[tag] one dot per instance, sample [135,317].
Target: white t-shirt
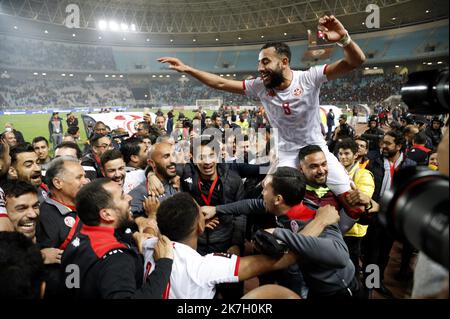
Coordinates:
[195,276]
[294,111]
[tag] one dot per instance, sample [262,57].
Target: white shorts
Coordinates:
[338,180]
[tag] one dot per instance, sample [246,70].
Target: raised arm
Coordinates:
[335,32]
[209,79]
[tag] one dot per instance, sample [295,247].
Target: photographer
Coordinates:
[344,130]
[374,135]
[378,242]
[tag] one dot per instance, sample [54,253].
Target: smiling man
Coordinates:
[65,177]
[22,205]
[114,166]
[25,167]
[161,159]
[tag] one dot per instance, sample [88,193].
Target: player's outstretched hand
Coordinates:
[332,28]
[174,64]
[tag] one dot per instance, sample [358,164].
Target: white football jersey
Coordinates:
[3,212]
[133,179]
[294,111]
[195,276]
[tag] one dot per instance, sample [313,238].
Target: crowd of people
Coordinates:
[193,207]
[47,200]
[69,93]
[356,88]
[24,94]
[50,55]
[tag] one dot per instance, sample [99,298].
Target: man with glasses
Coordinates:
[99,145]
[363,150]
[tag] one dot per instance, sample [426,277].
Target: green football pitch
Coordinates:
[32,125]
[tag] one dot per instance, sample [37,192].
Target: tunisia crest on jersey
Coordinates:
[297,92]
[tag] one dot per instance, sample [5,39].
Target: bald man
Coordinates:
[161,159]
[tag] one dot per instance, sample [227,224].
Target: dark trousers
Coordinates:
[329,132]
[376,246]
[354,250]
[353,291]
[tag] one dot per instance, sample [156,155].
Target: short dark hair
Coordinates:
[420,138]
[399,139]
[72,130]
[73,145]
[91,199]
[214,116]
[280,47]
[22,267]
[98,123]
[177,216]
[348,144]
[18,149]
[110,155]
[145,125]
[308,150]
[210,141]
[130,147]
[39,139]
[289,183]
[18,188]
[95,137]
[55,168]
[364,140]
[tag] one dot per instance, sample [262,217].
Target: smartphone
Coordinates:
[146,110]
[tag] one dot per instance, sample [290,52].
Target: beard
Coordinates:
[163,170]
[276,78]
[389,153]
[124,221]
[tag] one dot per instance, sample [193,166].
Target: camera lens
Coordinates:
[416,209]
[426,92]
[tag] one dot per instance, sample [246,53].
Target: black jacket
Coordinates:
[231,230]
[55,223]
[374,136]
[108,268]
[89,161]
[376,166]
[434,135]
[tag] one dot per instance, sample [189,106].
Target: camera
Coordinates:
[120,136]
[416,209]
[426,92]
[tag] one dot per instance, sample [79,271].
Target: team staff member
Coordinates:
[108,268]
[65,177]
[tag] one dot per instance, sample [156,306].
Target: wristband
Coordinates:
[344,41]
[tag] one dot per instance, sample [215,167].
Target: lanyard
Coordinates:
[211,190]
[70,207]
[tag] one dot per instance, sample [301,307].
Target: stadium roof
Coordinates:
[217,22]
